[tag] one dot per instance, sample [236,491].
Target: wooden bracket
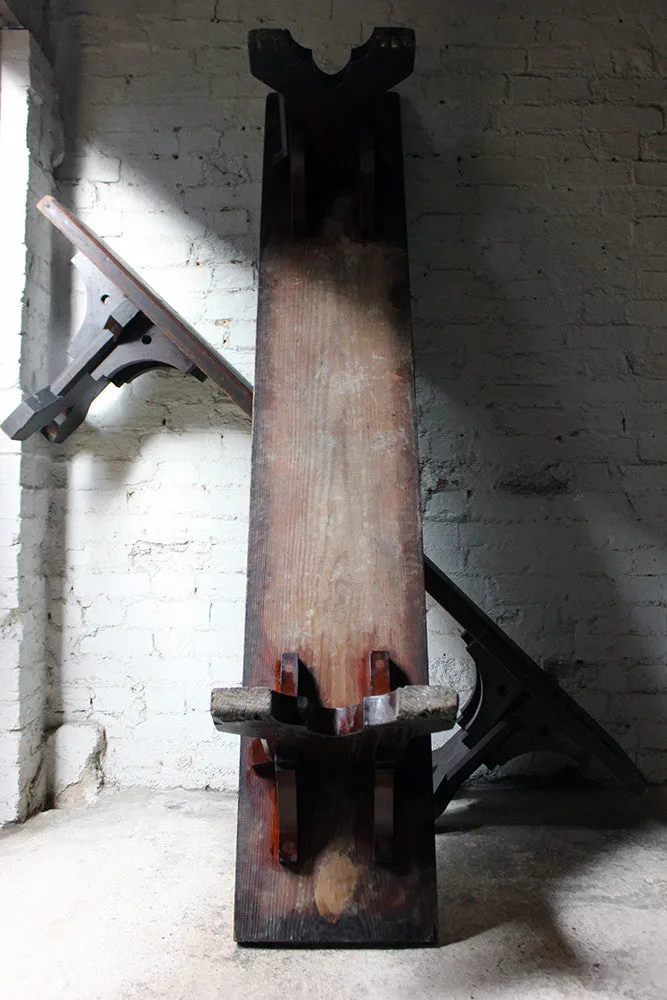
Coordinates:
[282,725]
[332,135]
[262,712]
[515,707]
[127,331]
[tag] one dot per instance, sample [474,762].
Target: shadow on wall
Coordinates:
[157,405]
[201,173]
[532,475]
[535,495]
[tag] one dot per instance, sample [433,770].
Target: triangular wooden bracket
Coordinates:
[515,707]
[127,330]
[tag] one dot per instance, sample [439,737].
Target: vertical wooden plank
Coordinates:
[335,564]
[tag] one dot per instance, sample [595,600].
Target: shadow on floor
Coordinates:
[517,856]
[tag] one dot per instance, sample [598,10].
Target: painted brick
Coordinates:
[530,89]
[30,143]
[617,118]
[538,253]
[654,147]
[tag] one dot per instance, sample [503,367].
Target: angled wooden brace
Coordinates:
[127,330]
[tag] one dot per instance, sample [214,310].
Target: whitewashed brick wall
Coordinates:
[29,142]
[536,172]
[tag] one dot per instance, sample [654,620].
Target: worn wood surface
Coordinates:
[335,570]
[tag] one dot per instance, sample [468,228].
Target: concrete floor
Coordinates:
[543,896]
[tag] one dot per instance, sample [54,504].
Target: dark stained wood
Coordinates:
[515,707]
[335,567]
[174,327]
[384,797]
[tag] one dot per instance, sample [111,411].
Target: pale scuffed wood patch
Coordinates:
[336,878]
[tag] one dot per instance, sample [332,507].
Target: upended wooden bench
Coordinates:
[338,786]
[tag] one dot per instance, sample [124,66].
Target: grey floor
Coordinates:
[543,896]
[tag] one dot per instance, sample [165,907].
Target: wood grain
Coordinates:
[335,570]
[335,474]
